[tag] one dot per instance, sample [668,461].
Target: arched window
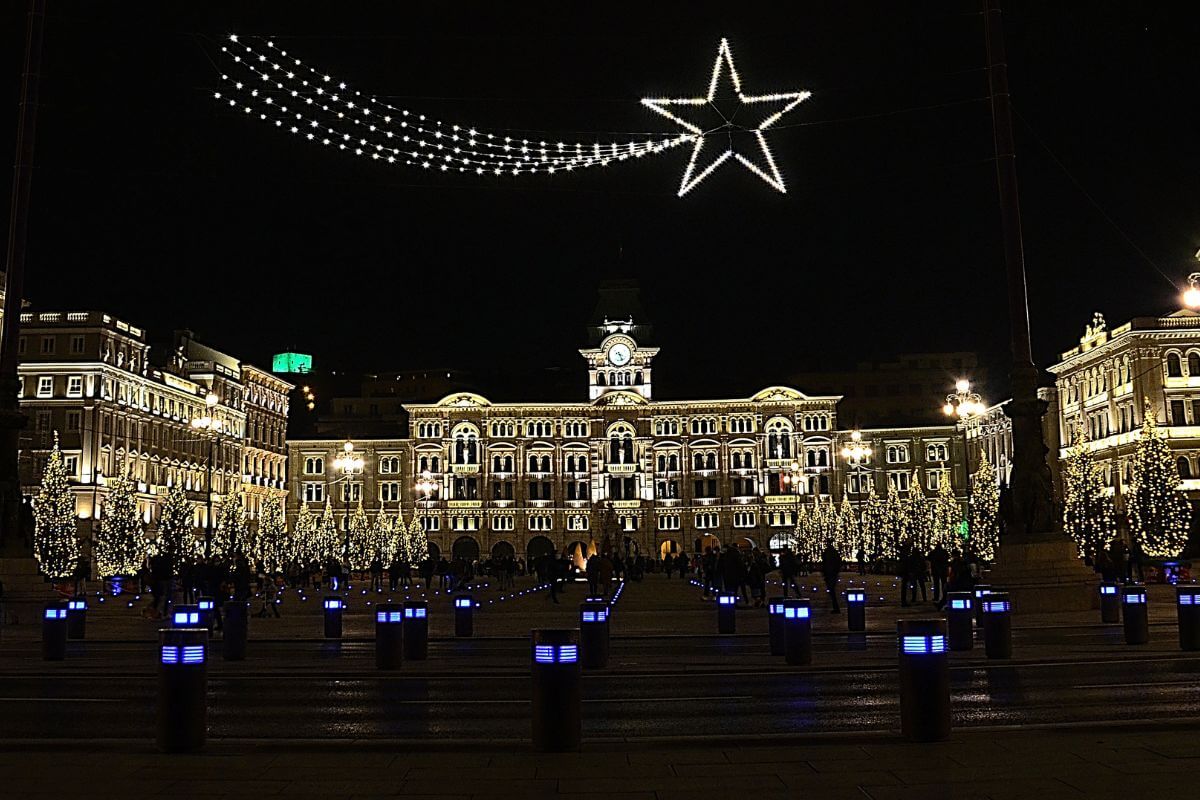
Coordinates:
[711,461]
[1184,466]
[737,461]
[697,461]
[1194,364]
[779,439]
[1174,368]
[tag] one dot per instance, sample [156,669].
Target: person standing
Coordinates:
[788,568]
[831,567]
[939,566]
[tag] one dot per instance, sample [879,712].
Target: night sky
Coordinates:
[158,204]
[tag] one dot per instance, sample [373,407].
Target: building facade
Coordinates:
[1105,383]
[90,378]
[658,475]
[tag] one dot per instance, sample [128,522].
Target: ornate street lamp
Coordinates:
[965,405]
[348,463]
[213,429]
[857,454]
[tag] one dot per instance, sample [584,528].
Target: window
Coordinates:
[577,463]
[75,386]
[704,426]
[933,479]
[779,439]
[705,489]
[540,490]
[464,523]
[429,524]
[76,345]
[466,446]
[745,519]
[666,490]
[1177,416]
[741,424]
[45,386]
[861,483]
[1193,364]
[541,522]
[1174,367]
[314,465]
[539,428]
[429,430]
[71,463]
[428,464]
[505,523]
[899,481]
[389,465]
[1184,466]
[666,427]
[668,522]
[628,524]
[47,345]
[389,492]
[706,520]
[897,453]
[74,419]
[743,487]
[351,492]
[577,490]
[575,428]
[935,452]
[577,522]
[314,492]
[504,430]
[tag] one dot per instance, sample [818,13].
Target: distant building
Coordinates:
[909,389]
[91,378]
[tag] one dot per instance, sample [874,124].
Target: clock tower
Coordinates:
[618,363]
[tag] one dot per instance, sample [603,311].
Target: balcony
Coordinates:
[780,499]
[622,469]
[626,503]
[780,463]
[465,469]
[464,504]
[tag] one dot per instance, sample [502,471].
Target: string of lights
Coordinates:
[292,94]
[287,93]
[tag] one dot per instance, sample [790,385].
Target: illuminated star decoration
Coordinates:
[787,101]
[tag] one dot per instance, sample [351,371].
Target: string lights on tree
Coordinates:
[176,533]
[1159,514]
[120,543]
[267,83]
[984,531]
[1087,507]
[270,537]
[56,542]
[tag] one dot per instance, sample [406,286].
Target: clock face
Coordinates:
[618,354]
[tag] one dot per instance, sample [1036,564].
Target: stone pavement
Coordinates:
[1117,763]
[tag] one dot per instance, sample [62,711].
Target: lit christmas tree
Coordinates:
[416,545]
[120,544]
[397,529]
[302,547]
[918,528]
[328,542]
[985,511]
[1159,514]
[270,537]
[176,534]
[875,528]
[229,538]
[802,533]
[849,532]
[1087,507]
[894,531]
[360,540]
[946,515]
[55,539]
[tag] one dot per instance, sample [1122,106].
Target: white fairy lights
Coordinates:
[288,94]
[786,100]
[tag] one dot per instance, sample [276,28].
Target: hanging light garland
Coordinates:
[280,89]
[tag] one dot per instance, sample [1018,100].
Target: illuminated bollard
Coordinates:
[1187,603]
[797,632]
[54,631]
[775,630]
[235,630]
[1134,612]
[997,625]
[726,613]
[416,630]
[185,617]
[207,611]
[1110,603]
[593,633]
[464,615]
[77,617]
[182,713]
[333,607]
[960,620]
[980,590]
[924,680]
[557,700]
[389,636]
[856,609]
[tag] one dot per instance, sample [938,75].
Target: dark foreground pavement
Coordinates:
[998,764]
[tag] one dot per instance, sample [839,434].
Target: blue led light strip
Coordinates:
[924,644]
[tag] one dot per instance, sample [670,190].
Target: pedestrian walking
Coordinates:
[789,566]
[939,568]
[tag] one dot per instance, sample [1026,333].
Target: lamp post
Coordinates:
[857,454]
[794,478]
[1191,297]
[349,464]
[212,429]
[964,404]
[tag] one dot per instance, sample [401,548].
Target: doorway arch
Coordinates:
[537,547]
[465,548]
[503,550]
